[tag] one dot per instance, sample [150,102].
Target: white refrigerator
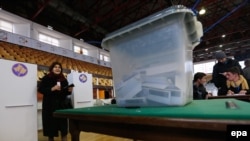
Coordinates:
[18,101]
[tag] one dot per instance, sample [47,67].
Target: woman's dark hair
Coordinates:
[234,70]
[198,75]
[53,65]
[51,73]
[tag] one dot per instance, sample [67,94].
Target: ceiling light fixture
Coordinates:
[223,36]
[202,11]
[220,45]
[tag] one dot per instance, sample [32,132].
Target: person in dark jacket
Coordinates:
[219,71]
[246,70]
[54,97]
[199,91]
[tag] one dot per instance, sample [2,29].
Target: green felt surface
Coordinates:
[204,109]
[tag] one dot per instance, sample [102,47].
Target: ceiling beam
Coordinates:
[40,9]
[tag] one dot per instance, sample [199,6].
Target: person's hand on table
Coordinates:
[243,92]
[229,92]
[208,95]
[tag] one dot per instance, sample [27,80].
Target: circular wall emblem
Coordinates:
[19,69]
[83,78]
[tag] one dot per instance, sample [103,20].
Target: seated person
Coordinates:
[199,91]
[236,83]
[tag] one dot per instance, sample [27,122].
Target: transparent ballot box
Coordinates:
[151,59]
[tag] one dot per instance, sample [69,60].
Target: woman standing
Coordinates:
[54,97]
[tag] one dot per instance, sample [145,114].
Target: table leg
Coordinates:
[74,130]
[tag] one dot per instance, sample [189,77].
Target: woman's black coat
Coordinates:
[53,100]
